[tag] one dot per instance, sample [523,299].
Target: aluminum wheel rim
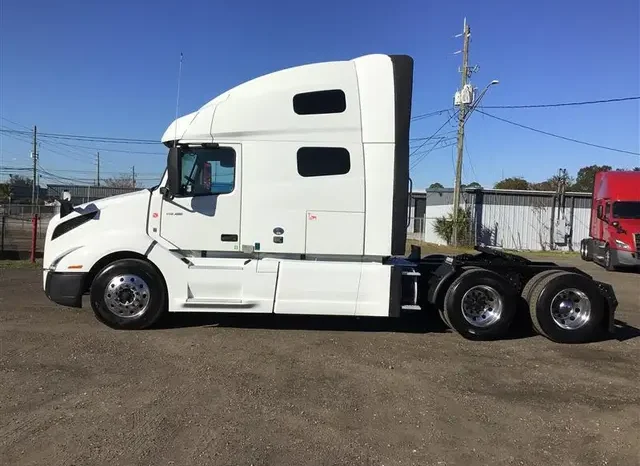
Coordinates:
[571,309]
[482,306]
[127,296]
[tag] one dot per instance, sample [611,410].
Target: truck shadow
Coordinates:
[623,332]
[423,323]
[404,324]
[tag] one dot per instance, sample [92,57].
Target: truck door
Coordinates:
[605,234]
[207,216]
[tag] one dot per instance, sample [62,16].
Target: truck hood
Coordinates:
[132,200]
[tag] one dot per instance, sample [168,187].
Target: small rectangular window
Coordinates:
[320,102]
[323,161]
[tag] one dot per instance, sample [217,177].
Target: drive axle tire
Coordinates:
[480,305]
[128,294]
[585,250]
[567,307]
[531,284]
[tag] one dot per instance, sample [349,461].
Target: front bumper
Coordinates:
[623,258]
[65,288]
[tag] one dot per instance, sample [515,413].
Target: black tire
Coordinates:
[540,306]
[526,291]
[443,315]
[453,309]
[150,298]
[607,259]
[583,250]
[588,250]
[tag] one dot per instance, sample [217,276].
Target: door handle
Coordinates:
[229,238]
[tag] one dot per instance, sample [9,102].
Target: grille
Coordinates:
[637,237]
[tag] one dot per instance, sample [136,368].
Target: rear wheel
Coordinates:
[585,250]
[567,307]
[480,305]
[128,294]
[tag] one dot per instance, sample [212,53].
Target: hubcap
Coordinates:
[571,309]
[127,296]
[482,306]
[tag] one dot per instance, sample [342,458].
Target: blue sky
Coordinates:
[110,69]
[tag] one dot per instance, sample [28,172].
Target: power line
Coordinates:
[433,135]
[424,154]
[566,104]
[77,137]
[430,114]
[558,136]
[466,149]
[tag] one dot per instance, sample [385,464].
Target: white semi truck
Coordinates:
[288,194]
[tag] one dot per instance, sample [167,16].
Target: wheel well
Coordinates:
[108,259]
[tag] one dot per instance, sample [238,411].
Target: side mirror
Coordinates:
[173,171]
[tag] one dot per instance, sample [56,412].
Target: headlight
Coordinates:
[622,244]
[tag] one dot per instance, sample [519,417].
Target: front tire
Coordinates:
[608,265]
[128,294]
[480,305]
[567,307]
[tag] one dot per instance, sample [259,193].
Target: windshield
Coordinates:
[626,209]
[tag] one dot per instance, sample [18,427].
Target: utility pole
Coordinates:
[464,97]
[133,176]
[98,173]
[34,156]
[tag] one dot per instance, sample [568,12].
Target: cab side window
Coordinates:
[208,171]
[607,211]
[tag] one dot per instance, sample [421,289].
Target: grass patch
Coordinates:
[20,264]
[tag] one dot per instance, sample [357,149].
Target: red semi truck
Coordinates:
[614,229]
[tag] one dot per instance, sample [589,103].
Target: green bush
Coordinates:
[444,228]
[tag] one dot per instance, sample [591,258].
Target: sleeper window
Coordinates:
[323,161]
[320,102]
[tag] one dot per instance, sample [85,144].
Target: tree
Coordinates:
[512,183]
[18,180]
[122,181]
[586,177]
[436,186]
[551,184]
[5,191]
[443,227]
[472,185]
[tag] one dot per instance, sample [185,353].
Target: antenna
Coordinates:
[175,138]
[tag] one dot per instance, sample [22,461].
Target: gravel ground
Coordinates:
[240,390]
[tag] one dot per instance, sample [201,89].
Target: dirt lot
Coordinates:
[292,391]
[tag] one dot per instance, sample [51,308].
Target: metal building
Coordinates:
[81,194]
[510,219]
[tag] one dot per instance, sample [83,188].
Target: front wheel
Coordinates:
[480,305]
[128,294]
[608,264]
